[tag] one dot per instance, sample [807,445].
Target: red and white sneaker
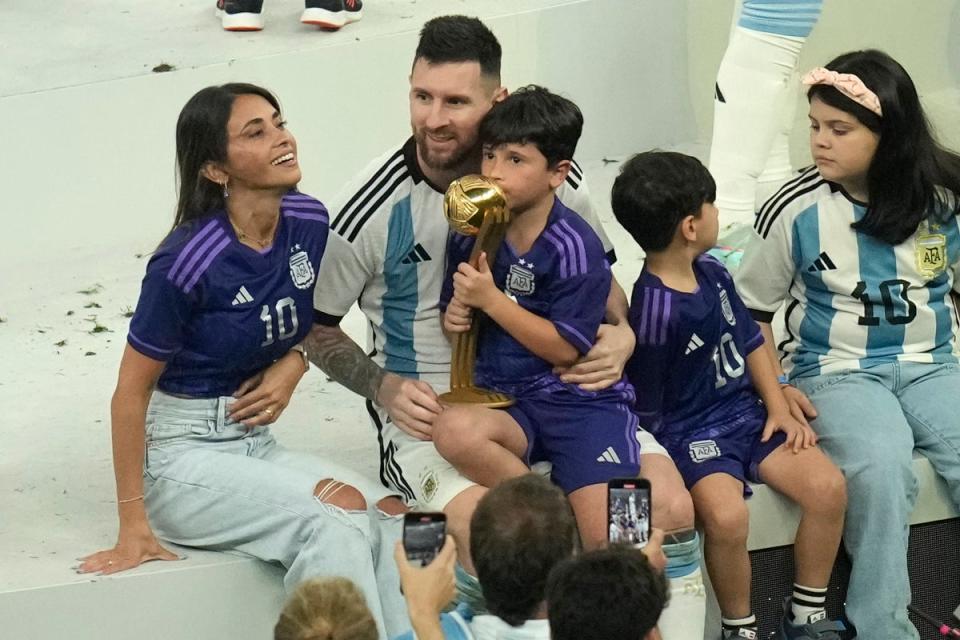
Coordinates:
[240,15]
[354,10]
[331,14]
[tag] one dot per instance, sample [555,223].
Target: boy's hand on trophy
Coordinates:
[474,287]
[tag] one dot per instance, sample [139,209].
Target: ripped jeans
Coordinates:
[211,483]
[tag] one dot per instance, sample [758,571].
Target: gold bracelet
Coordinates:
[139,497]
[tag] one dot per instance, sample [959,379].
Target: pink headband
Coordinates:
[847,84]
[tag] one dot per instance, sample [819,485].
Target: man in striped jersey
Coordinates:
[387,252]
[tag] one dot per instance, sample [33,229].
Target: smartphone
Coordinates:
[628,511]
[423,536]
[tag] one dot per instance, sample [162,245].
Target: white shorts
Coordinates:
[414,468]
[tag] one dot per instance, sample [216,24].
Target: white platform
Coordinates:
[86,170]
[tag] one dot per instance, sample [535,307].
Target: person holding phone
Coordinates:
[522,529]
[709,393]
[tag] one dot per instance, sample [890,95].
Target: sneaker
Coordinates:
[332,14]
[817,628]
[745,633]
[354,9]
[240,15]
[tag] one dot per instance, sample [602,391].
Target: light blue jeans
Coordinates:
[869,423]
[211,483]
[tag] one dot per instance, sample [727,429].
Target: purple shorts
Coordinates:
[589,438]
[732,447]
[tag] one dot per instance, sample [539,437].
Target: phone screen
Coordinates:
[423,536]
[628,509]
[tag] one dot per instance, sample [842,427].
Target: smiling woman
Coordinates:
[212,358]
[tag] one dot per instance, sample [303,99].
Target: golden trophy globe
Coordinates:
[474,206]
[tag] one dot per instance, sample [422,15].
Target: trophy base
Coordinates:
[476,395]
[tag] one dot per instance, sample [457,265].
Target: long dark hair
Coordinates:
[909,169]
[202,138]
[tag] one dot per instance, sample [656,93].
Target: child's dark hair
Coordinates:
[655,191]
[534,115]
[520,531]
[611,594]
[459,39]
[908,167]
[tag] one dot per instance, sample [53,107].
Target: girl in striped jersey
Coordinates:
[211,361]
[864,249]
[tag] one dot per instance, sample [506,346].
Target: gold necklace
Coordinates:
[243,235]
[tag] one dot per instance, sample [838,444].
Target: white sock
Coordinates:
[755,87]
[807,603]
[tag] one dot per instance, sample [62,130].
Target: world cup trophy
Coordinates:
[474,206]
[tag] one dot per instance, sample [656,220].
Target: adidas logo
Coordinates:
[243,296]
[417,254]
[694,344]
[717,94]
[822,263]
[609,456]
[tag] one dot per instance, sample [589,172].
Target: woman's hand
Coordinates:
[133,548]
[262,398]
[800,406]
[799,434]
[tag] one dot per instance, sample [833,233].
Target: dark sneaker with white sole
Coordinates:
[331,14]
[816,628]
[240,15]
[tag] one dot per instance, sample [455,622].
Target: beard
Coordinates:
[448,160]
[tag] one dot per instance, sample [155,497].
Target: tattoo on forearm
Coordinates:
[345,362]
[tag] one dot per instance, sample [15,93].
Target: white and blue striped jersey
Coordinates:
[387,251]
[853,301]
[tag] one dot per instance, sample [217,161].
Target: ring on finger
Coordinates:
[268,411]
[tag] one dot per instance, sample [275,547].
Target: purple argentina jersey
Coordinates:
[564,277]
[217,311]
[689,367]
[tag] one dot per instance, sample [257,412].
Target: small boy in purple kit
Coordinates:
[711,397]
[545,298]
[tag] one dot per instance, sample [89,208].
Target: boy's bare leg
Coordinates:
[590,509]
[811,480]
[672,507]
[459,511]
[485,445]
[721,509]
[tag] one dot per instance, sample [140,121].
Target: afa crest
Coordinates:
[931,254]
[520,281]
[727,308]
[301,271]
[701,450]
[429,483]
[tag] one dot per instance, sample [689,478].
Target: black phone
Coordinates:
[628,511]
[423,536]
